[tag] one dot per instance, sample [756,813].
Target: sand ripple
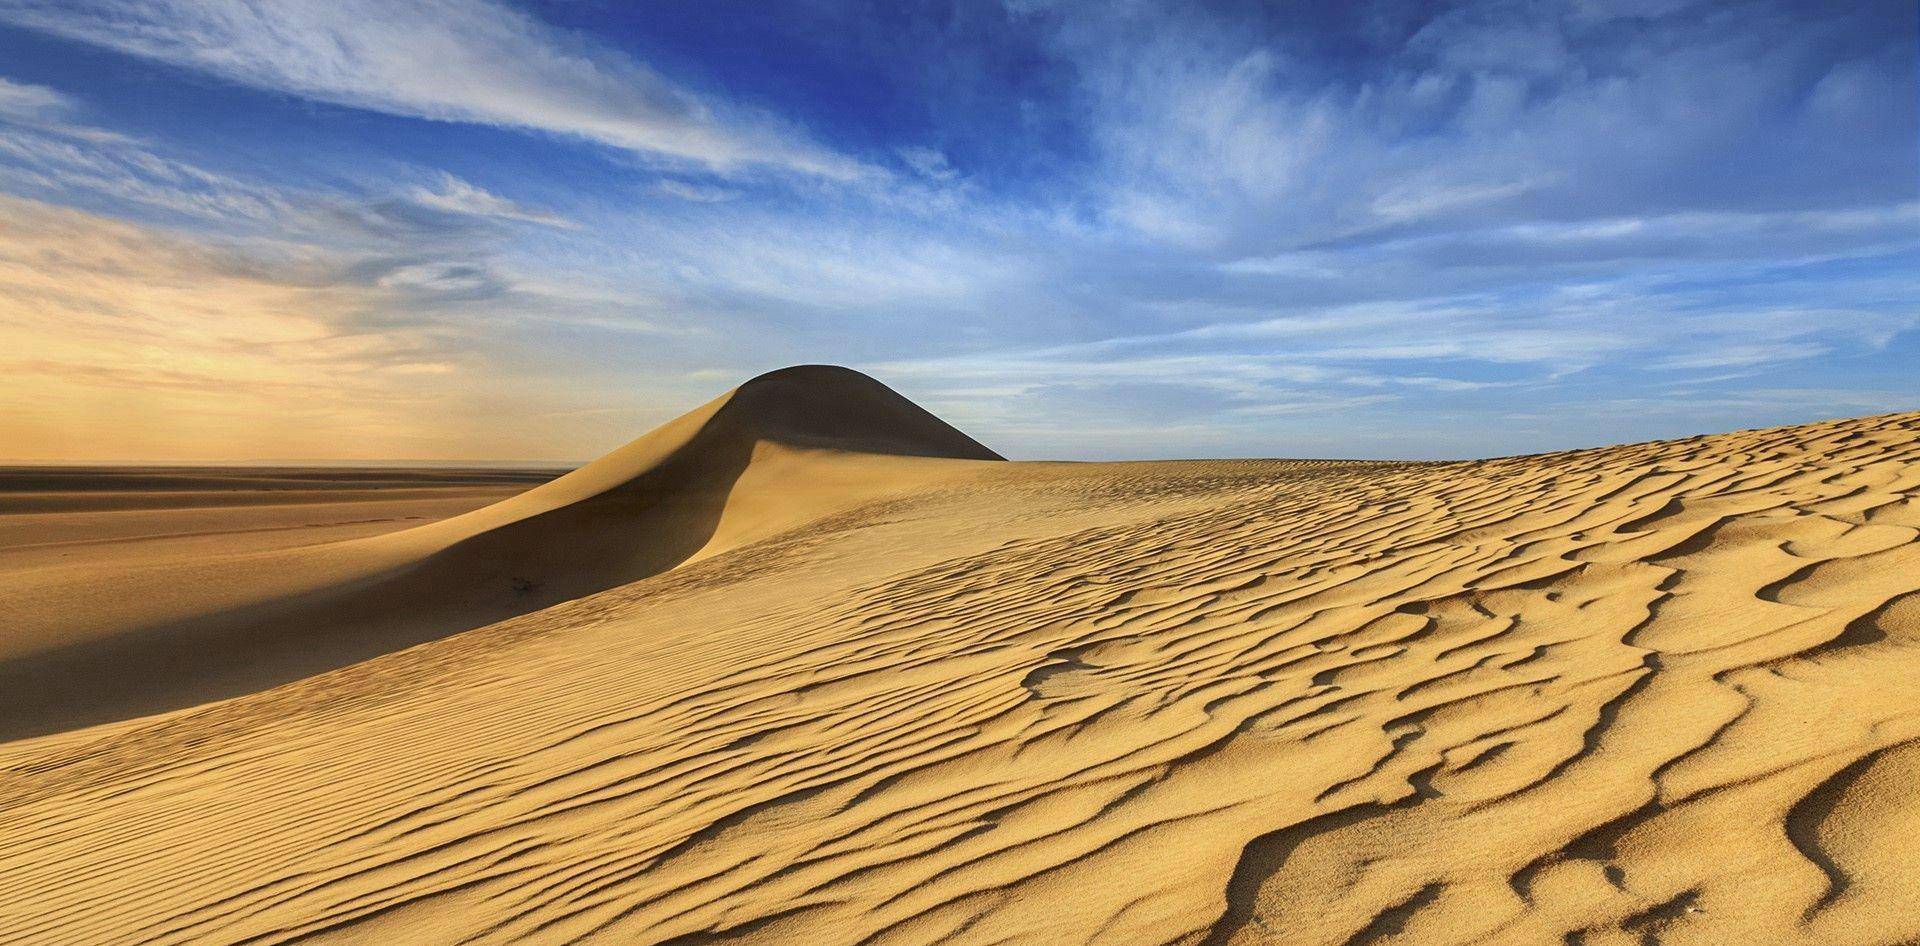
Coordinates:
[1656,693]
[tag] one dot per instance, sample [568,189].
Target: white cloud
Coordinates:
[1671,238]
[38,108]
[929,163]
[66,158]
[1742,356]
[831,265]
[696,193]
[442,279]
[1281,238]
[449,60]
[20,101]
[1206,134]
[1414,201]
[453,195]
[1409,344]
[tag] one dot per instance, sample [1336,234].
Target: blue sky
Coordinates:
[454,229]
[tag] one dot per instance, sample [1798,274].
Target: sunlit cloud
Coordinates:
[127,342]
[1122,230]
[140,343]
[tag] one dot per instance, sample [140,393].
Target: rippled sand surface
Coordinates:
[1652,693]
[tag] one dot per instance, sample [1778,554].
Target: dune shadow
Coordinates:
[641,529]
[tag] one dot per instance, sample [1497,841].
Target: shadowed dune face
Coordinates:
[1653,693]
[781,449]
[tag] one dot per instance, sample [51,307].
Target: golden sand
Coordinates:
[808,666]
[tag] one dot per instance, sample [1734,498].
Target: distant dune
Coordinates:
[808,665]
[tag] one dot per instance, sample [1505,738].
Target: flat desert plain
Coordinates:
[810,666]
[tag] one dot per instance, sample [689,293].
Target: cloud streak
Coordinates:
[1193,229]
[455,196]
[446,60]
[110,322]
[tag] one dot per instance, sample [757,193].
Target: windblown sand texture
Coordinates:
[809,666]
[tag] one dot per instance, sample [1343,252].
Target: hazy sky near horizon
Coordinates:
[450,229]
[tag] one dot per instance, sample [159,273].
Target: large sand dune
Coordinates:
[804,666]
[782,449]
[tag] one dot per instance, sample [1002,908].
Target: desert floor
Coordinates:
[809,666]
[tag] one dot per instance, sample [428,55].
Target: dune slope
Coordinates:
[1653,693]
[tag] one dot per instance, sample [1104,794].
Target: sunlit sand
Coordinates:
[808,665]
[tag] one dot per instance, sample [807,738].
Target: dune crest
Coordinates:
[1648,693]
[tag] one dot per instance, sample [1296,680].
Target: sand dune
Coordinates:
[76,543]
[780,450]
[801,668]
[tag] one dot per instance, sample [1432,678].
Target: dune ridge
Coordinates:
[1650,693]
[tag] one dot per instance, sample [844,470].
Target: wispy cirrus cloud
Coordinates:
[452,195]
[696,193]
[472,61]
[1227,128]
[213,315]
[1124,229]
[109,321]
[26,102]
[1381,364]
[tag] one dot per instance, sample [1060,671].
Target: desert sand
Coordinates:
[808,665]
